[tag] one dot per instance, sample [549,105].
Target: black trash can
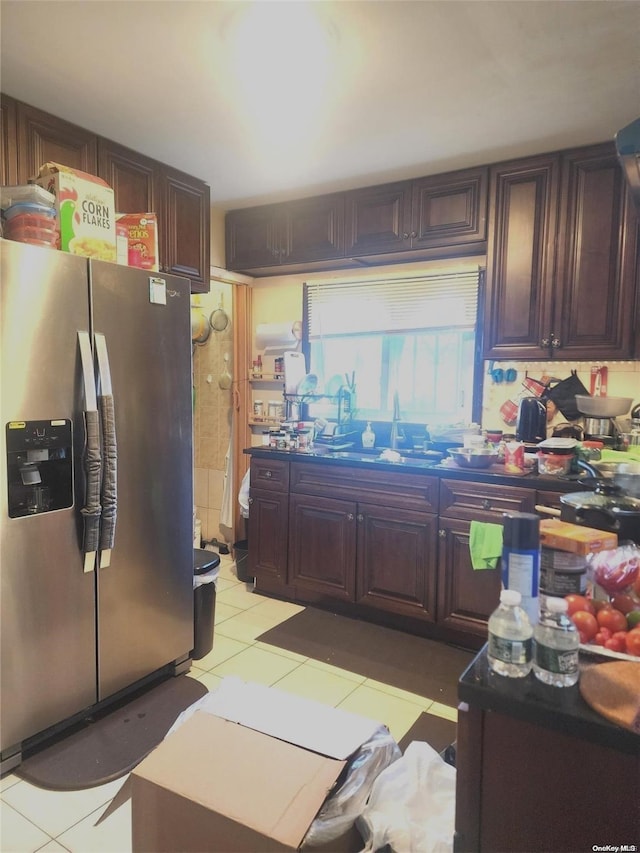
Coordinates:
[241,556]
[204,602]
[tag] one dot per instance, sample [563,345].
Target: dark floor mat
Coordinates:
[435,731]
[426,667]
[113,742]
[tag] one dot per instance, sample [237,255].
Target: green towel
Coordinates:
[485,544]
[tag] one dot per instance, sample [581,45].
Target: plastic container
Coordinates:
[31,220]
[26,193]
[34,236]
[31,209]
[555,646]
[510,647]
[555,463]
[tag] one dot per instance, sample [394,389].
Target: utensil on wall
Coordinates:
[219,319]
[200,329]
[226,380]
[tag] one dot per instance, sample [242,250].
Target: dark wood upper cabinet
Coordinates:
[184,226]
[42,137]
[450,209]
[562,258]
[596,258]
[289,233]
[8,151]
[131,175]
[378,219]
[520,257]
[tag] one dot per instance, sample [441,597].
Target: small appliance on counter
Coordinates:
[531,425]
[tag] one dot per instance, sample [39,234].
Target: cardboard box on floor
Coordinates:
[217,783]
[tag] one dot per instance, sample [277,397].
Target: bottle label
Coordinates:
[556,660]
[510,651]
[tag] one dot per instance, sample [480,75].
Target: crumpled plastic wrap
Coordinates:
[412,805]
[347,800]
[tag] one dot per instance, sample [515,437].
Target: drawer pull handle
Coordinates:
[486,504]
[350,516]
[442,533]
[360,517]
[250,500]
[268,474]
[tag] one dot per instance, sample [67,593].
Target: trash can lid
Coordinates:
[204,561]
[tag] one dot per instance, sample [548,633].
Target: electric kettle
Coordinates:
[531,425]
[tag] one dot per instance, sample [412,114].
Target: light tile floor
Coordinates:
[32,818]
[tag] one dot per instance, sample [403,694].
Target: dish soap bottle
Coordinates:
[368,436]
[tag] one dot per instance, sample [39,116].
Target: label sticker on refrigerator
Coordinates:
[157,290]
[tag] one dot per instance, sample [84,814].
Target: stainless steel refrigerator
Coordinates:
[96,469]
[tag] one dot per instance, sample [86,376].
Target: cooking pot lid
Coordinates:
[597,500]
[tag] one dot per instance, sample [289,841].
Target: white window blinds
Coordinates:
[436,301]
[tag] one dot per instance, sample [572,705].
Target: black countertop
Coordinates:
[320,454]
[560,708]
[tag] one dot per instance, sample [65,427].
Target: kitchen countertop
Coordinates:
[560,708]
[415,464]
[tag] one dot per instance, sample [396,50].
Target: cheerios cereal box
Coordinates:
[86,211]
[142,230]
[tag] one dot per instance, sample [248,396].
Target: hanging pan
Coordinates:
[219,319]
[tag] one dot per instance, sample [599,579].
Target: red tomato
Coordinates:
[624,603]
[602,636]
[612,619]
[576,603]
[632,642]
[586,623]
[615,644]
[601,604]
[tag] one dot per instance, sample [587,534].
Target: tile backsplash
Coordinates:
[623,381]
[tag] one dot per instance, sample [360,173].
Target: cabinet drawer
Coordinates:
[469,500]
[380,487]
[272,474]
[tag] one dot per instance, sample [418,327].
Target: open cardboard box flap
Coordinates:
[245,768]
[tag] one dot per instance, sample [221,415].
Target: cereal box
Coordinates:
[143,239]
[86,211]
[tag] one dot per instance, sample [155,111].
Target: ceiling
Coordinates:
[268,101]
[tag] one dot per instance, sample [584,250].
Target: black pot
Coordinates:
[605,509]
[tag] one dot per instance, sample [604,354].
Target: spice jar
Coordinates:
[258,408]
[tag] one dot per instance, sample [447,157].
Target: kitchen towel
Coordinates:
[485,544]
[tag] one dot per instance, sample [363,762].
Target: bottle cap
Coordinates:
[521,531]
[510,597]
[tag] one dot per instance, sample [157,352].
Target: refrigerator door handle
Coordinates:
[92,462]
[109,492]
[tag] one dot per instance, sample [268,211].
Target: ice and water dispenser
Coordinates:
[39,466]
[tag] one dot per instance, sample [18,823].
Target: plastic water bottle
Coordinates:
[555,646]
[510,637]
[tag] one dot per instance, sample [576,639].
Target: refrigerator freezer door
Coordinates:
[145,594]
[47,601]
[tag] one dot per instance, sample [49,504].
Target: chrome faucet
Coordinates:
[397,433]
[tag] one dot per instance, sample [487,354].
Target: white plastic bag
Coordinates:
[243,494]
[412,804]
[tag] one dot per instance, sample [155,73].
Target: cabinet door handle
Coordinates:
[360,517]
[268,474]
[350,516]
[442,533]
[405,235]
[250,500]
[555,342]
[414,234]
[545,342]
[486,504]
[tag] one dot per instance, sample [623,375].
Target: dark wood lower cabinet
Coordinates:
[322,546]
[397,561]
[268,536]
[466,596]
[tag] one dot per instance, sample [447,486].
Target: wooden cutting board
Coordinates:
[613,690]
